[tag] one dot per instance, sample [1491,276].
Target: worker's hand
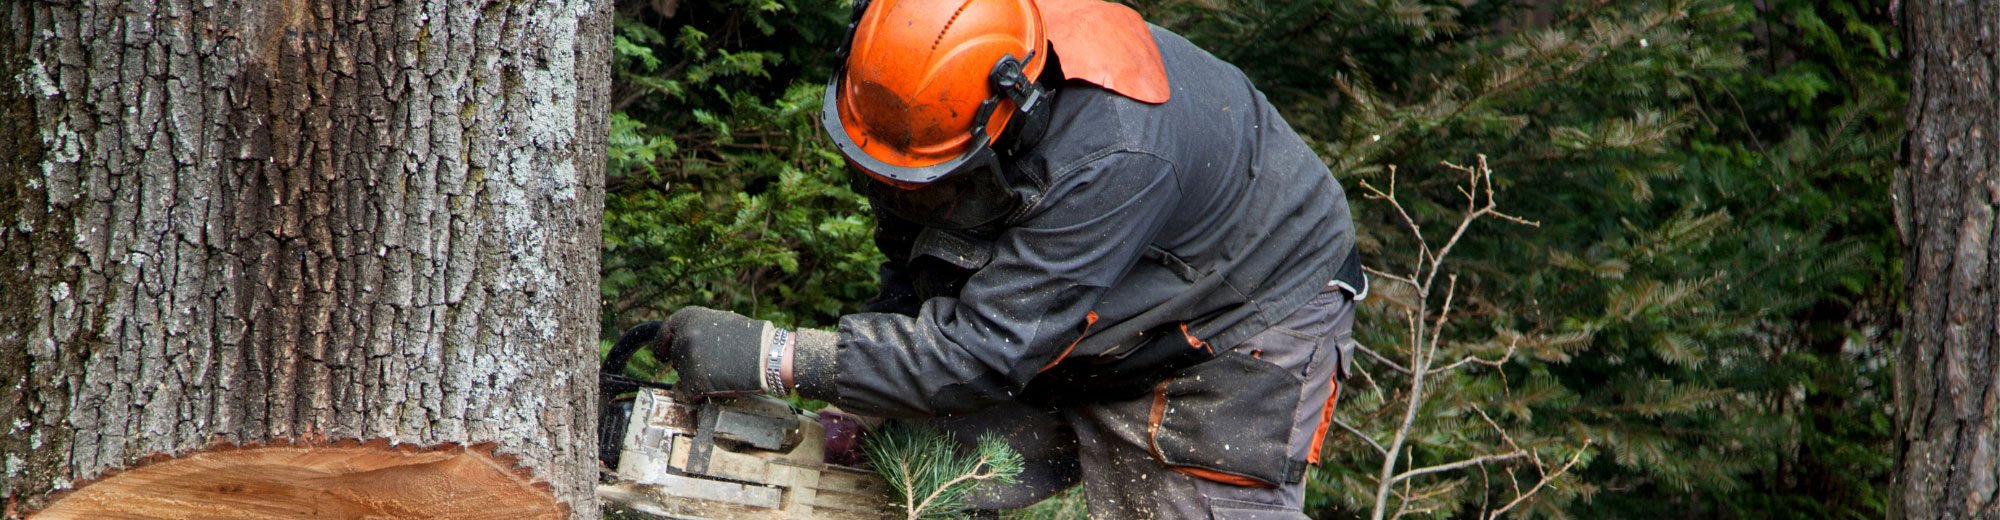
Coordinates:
[727,353]
[718,352]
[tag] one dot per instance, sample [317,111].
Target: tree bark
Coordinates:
[238,222]
[1948,370]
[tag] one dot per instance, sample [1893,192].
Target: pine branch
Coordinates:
[928,475]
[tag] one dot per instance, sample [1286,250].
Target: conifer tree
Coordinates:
[1703,304]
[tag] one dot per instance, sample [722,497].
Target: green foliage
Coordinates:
[720,191]
[1705,299]
[928,476]
[1713,273]
[1067,505]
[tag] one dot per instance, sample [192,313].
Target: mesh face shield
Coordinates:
[964,192]
[967,199]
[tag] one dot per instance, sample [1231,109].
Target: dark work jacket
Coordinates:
[1150,237]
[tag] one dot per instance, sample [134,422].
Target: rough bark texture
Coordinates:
[1947,380]
[246,220]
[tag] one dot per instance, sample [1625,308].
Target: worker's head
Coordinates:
[927,87]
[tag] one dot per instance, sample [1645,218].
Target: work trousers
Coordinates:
[1182,451]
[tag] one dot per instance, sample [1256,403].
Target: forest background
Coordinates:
[1700,316]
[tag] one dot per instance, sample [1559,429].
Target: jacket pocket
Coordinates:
[958,249]
[942,261]
[1226,420]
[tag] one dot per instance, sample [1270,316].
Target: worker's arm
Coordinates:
[1014,315]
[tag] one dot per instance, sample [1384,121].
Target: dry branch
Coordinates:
[1424,338]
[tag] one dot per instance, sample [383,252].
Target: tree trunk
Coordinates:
[239,223]
[1946,378]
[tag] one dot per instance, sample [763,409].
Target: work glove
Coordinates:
[724,353]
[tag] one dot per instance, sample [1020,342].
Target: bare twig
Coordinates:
[1405,504]
[1475,461]
[1425,336]
[1423,249]
[1450,291]
[1546,479]
[1386,481]
[1514,479]
[1363,436]
[1497,429]
[1474,360]
[1372,272]
[1383,360]
[1374,388]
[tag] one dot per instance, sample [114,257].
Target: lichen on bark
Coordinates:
[241,220]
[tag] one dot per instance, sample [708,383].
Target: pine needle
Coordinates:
[929,477]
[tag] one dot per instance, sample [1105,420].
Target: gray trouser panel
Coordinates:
[1114,448]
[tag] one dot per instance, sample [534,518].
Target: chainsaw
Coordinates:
[668,455]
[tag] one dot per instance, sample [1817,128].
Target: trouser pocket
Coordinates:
[1227,420]
[1226,509]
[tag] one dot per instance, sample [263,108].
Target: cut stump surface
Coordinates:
[353,481]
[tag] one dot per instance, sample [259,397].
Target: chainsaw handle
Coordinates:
[629,342]
[613,415]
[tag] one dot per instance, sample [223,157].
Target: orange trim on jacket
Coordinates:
[1194,342]
[1088,320]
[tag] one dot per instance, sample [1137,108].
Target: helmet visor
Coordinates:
[979,151]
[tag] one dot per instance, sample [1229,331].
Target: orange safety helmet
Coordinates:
[926,87]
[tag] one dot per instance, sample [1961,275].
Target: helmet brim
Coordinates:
[978,154]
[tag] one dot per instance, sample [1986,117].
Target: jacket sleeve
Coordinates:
[1015,314]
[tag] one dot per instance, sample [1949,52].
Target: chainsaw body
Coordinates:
[743,457]
[668,455]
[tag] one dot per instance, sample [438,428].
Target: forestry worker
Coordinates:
[1104,245]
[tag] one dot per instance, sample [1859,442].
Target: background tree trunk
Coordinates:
[252,221]
[1946,378]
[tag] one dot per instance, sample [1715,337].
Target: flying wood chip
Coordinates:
[340,480]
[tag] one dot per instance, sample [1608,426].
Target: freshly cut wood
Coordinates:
[345,480]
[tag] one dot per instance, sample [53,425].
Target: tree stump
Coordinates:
[340,480]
